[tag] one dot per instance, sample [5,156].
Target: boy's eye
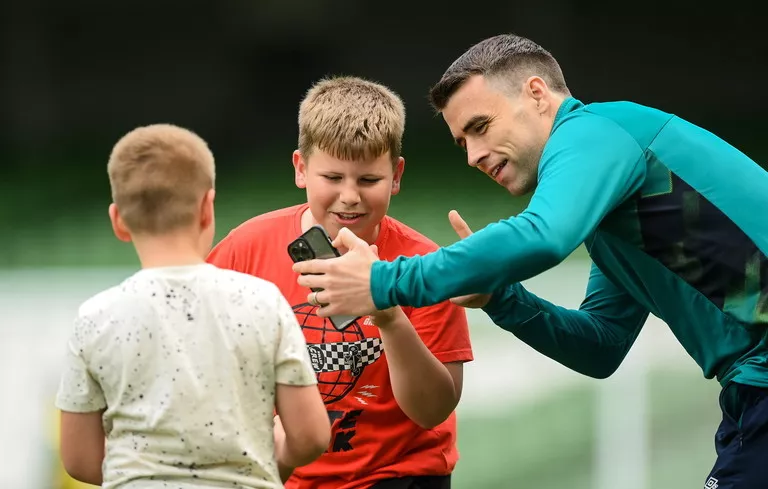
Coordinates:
[332,178]
[370,180]
[481,128]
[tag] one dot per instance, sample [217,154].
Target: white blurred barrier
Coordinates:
[37,307]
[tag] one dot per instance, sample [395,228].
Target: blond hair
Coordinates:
[351,119]
[158,175]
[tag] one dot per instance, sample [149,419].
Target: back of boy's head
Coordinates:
[159,175]
[352,119]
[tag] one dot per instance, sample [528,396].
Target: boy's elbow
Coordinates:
[319,442]
[313,443]
[432,419]
[80,471]
[429,424]
[76,473]
[311,450]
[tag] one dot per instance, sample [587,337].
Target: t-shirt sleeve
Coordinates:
[443,329]
[78,391]
[292,363]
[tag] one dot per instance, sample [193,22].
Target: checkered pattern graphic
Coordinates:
[349,355]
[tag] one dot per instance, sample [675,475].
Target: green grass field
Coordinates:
[550,444]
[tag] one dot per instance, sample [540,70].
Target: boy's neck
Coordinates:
[173,250]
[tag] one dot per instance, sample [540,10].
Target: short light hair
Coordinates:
[352,119]
[158,175]
[506,57]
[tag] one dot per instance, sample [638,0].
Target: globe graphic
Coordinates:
[337,383]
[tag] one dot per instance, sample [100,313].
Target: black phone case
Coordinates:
[316,243]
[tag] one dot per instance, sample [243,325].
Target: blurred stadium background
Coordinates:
[75,76]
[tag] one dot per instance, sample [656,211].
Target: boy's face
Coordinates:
[351,194]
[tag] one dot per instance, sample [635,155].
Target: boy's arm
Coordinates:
[588,167]
[592,340]
[82,445]
[303,429]
[81,401]
[425,356]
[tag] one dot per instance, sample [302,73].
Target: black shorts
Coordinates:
[420,482]
[741,441]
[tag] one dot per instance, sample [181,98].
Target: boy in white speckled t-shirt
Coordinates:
[181,366]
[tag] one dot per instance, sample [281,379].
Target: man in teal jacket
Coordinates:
[674,218]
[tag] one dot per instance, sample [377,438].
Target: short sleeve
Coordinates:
[292,363]
[78,391]
[443,329]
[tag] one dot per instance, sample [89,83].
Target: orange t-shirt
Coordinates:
[372,438]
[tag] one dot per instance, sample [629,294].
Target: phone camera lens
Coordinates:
[301,251]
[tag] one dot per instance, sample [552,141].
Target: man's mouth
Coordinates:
[495,171]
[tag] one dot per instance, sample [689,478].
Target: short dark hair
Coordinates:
[506,55]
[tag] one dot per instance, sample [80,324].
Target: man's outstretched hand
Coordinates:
[474,301]
[345,280]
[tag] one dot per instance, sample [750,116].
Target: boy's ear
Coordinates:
[206,210]
[300,169]
[399,169]
[118,226]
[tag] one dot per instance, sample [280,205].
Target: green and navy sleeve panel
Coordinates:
[715,171]
[592,340]
[589,166]
[709,225]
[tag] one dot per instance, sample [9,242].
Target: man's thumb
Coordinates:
[347,239]
[459,225]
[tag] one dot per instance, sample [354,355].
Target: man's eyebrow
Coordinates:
[474,121]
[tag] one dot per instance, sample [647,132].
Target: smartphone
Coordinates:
[315,243]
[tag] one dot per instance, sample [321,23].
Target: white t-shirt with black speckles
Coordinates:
[185,362]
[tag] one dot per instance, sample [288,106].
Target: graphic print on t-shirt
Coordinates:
[338,357]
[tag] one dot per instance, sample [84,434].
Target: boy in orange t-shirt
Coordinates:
[390,381]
